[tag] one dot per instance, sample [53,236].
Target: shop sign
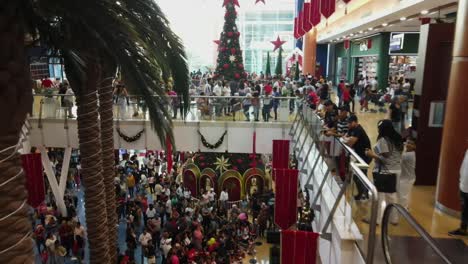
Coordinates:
[396,41]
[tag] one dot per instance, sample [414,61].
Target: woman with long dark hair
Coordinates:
[387,169]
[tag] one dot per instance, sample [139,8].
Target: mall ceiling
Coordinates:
[405,20]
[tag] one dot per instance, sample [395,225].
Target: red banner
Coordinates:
[32,166]
[301,31]
[296,28]
[307,22]
[327,8]
[299,247]
[346,44]
[315,12]
[286,184]
[169,155]
[280,154]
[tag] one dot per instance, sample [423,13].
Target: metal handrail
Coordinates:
[361,163]
[178,96]
[373,213]
[355,171]
[414,224]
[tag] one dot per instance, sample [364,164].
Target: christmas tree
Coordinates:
[279,63]
[230,63]
[268,65]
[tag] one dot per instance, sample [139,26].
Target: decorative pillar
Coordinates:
[384,61]
[310,52]
[455,136]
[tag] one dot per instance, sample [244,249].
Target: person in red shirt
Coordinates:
[47,83]
[268,89]
[341,88]
[346,96]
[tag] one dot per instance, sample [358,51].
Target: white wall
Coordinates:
[238,139]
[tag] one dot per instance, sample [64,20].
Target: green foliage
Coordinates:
[132,34]
[279,63]
[229,48]
[268,65]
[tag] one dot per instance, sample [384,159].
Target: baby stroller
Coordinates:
[379,99]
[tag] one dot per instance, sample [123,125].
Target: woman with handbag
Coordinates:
[387,169]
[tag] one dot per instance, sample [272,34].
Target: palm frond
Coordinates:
[133,34]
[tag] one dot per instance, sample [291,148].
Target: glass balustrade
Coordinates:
[201,108]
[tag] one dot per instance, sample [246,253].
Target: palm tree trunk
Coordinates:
[15,102]
[108,161]
[91,165]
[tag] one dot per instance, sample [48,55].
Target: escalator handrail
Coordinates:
[419,229]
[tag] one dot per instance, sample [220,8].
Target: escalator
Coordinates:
[409,242]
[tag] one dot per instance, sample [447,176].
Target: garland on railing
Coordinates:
[128,138]
[210,146]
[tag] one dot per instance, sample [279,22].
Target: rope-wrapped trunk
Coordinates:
[16,245]
[91,165]
[108,161]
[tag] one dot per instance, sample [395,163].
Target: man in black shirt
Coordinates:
[357,139]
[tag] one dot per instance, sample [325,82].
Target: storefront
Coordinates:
[366,57]
[374,56]
[403,51]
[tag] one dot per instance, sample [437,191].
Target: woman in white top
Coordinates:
[387,157]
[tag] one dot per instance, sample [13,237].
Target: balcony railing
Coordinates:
[318,153]
[202,108]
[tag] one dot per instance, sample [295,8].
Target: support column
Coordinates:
[455,136]
[310,52]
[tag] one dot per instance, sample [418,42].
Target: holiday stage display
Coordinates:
[130,139]
[230,63]
[231,171]
[222,164]
[212,146]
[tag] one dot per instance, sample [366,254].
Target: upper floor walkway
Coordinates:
[212,124]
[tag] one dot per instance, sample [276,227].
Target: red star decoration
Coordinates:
[217,41]
[234,2]
[278,43]
[258,1]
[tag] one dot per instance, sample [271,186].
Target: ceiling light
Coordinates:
[351,34]
[384,24]
[360,32]
[424,12]
[402,18]
[370,29]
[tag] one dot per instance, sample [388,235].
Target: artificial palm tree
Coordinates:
[90,35]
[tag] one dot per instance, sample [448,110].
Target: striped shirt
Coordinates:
[342,127]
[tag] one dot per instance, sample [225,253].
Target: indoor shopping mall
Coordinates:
[233,132]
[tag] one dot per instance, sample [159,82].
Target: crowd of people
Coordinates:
[168,222]
[393,154]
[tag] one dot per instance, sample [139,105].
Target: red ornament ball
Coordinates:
[238,33]
[237,76]
[226,66]
[240,66]
[233,51]
[239,161]
[230,34]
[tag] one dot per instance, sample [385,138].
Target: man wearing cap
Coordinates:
[357,139]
